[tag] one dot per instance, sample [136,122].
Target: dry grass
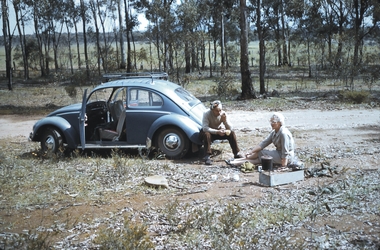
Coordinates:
[91,200]
[98,200]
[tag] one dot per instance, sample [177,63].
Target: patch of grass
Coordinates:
[356,97]
[130,236]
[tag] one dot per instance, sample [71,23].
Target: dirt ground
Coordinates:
[335,129]
[355,129]
[349,127]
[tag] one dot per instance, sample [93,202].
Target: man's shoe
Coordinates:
[207,157]
[238,155]
[208,162]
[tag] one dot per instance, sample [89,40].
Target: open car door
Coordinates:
[82,120]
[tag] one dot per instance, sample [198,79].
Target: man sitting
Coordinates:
[216,126]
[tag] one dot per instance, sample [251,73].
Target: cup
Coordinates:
[227,132]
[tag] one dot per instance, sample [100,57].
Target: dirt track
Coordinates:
[17,125]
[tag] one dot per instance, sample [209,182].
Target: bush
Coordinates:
[225,85]
[131,236]
[354,96]
[71,91]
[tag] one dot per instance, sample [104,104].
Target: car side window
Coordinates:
[144,98]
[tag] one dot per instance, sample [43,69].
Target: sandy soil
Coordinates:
[355,132]
[345,125]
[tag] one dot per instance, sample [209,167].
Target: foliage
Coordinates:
[130,236]
[225,85]
[355,96]
[71,91]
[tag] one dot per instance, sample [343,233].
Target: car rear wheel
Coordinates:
[173,142]
[51,141]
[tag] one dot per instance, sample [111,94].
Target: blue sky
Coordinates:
[29,29]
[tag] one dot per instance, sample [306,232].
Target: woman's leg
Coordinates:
[240,161]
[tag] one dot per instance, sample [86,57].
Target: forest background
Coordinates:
[76,41]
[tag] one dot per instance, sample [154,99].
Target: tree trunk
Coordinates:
[209,56]
[121,32]
[69,44]
[7,42]
[78,45]
[93,9]
[83,14]
[222,47]
[129,60]
[246,81]
[187,58]
[260,33]
[21,33]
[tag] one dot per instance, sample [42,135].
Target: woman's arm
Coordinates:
[284,162]
[253,154]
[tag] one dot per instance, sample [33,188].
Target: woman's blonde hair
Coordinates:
[278,117]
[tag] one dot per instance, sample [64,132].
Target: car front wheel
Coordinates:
[51,141]
[173,143]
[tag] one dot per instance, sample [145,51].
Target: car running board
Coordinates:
[113,145]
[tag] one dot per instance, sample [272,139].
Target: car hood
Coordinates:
[74,108]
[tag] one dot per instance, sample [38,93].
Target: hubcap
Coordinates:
[49,143]
[172,141]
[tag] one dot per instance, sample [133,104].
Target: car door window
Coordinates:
[144,98]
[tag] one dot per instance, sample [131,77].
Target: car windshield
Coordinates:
[100,95]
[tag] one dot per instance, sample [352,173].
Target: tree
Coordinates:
[246,80]
[7,41]
[121,36]
[261,28]
[22,16]
[83,14]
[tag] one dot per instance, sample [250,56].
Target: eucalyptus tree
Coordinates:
[48,27]
[42,15]
[277,20]
[246,80]
[22,15]
[83,10]
[94,7]
[161,16]
[222,16]
[130,23]
[7,36]
[71,18]
[189,18]
[121,36]
[364,16]
[56,18]
[259,17]
[308,29]
[329,28]
[340,11]
[294,10]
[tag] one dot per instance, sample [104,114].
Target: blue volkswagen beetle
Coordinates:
[142,111]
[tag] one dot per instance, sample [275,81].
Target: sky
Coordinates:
[29,29]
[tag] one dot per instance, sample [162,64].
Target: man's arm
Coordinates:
[226,121]
[206,124]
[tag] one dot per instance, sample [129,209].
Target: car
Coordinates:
[136,111]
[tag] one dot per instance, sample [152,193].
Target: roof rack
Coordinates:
[152,75]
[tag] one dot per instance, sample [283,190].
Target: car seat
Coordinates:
[110,134]
[116,109]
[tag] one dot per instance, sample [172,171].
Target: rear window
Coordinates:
[185,95]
